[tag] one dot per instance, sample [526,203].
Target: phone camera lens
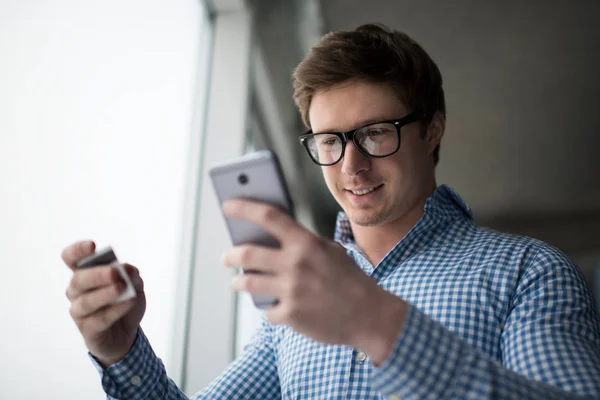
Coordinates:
[243,179]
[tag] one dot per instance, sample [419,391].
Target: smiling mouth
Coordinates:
[362,192]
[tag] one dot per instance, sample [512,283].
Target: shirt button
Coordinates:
[136,381]
[395,397]
[361,357]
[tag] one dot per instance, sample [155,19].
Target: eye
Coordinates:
[328,140]
[375,132]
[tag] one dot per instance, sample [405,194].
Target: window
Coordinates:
[100,103]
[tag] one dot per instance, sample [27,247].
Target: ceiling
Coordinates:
[522,91]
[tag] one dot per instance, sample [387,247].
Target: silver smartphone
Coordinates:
[255,176]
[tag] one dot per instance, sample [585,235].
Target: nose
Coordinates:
[354,162]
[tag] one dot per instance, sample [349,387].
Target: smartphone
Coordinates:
[107,256]
[255,176]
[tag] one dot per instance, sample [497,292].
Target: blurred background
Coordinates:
[111,113]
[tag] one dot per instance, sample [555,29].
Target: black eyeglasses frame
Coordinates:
[349,135]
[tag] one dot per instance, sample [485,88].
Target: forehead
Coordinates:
[352,104]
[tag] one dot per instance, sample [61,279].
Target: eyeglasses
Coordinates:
[380,139]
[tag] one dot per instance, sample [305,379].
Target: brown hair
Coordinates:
[376,54]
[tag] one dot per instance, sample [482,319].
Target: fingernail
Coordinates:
[227,207]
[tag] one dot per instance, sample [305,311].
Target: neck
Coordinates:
[376,241]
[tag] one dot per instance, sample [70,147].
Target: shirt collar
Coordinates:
[444,203]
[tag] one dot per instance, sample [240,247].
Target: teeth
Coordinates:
[362,192]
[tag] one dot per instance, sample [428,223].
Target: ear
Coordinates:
[435,131]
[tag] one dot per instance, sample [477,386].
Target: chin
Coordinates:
[367,218]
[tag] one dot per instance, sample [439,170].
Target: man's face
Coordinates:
[401,180]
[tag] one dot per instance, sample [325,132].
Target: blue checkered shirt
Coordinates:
[493,316]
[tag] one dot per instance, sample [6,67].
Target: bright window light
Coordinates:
[97,104]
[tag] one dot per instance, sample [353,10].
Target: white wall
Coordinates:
[96,105]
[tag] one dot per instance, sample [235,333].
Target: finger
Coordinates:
[103,319]
[90,302]
[257,284]
[91,278]
[75,252]
[274,220]
[257,258]
[136,279]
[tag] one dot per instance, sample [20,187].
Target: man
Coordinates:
[412,300]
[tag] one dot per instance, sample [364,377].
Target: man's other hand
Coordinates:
[109,330]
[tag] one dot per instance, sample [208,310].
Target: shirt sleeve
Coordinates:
[550,346]
[142,375]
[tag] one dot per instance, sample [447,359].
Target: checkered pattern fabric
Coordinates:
[493,316]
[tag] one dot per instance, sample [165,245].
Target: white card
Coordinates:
[129,292]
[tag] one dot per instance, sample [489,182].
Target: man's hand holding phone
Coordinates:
[109,328]
[322,293]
